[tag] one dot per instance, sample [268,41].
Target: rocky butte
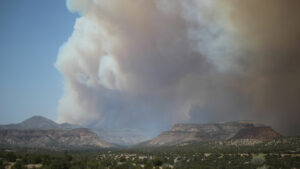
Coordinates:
[183,133]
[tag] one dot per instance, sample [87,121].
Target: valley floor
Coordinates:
[284,153]
[125,160]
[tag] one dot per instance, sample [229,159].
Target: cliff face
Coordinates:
[257,133]
[181,133]
[52,139]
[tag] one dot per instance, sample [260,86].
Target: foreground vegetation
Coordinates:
[281,153]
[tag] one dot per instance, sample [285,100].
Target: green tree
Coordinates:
[149,165]
[122,159]
[59,164]
[258,159]
[68,157]
[46,159]
[11,157]
[36,159]
[18,165]
[158,161]
[93,164]
[2,166]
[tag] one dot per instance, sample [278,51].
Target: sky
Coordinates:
[150,64]
[31,33]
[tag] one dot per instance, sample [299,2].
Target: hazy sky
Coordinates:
[31,33]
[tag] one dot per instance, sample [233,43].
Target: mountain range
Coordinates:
[40,132]
[80,138]
[123,137]
[39,122]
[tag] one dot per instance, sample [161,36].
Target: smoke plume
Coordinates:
[149,64]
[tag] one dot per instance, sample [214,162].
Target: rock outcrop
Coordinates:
[257,133]
[183,133]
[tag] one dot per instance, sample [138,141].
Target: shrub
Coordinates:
[18,165]
[122,159]
[263,167]
[157,161]
[258,159]
[59,164]
[11,157]
[149,165]
[2,166]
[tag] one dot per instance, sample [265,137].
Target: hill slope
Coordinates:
[182,133]
[124,137]
[52,139]
[40,132]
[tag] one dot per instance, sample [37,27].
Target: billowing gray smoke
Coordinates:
[150,63]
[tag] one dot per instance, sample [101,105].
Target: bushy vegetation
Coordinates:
[277,154]
[258,159]
[2,166]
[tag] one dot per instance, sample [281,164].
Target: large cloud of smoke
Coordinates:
[149,64]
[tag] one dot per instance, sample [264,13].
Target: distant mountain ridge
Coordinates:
[183,133]
[80,138]
[124,137]
[40,132]
[39,122]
